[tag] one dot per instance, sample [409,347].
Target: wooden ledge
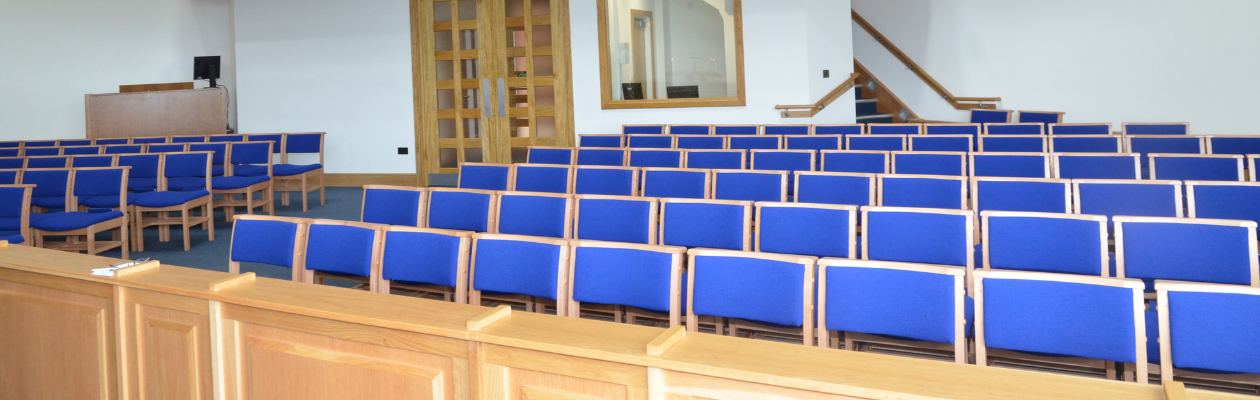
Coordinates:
[141,267]
[666,340]
[230,282]
[489,317]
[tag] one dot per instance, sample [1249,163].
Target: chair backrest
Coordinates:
[551,155]
[713,224]
[784,160]
[1040,117]
[11,152]
[534,214]
[344,247]
[839,129]
[835,188]
[624,274]
[482,176]
[393,205]
[916,301]
[268,240]
[172,148]
[819,230]
[703,142]
[1010,165]
[610,181]
[927,191]
[47,162]
[251,153]
[1069,315]
[1197,167]
[1169,144]
[761,287]
[1233,144]
[1155,128]
[48,182]
[782,129]
[91,161]
[39,143]
[10,177]
[15,144]
[461,209]
[750,185]
[1086,144]
[716,159]
[188,165]
[1021,194]
[1013,143]
[226,138]
[642,129]
[875,142]
[677,183]
[938,142]
[999,128]
[736,129]
[1045,242]
[427,256]
[918,235]
[1129,198]
[15,209]
[984,116]
[691,129]
[74,142]
[303,143]
[149,140]
[1096,166]
[615,218]
[92,182]
[929,163]
[815,143]
[276,139]
[1079,129]
[758,142]
[613,141]
[544,178]
[603,156]
[141,165]
[188,139]
[656,158]
[1224,200]
[525,265]
[1208,327]
[971,130]
[81,150]
[894,129]
[42,151]
[125,149]
[1186,249]
[104,142]
[650,141]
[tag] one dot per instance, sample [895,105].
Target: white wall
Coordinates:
[341,67]
[1099,61]
[52,53]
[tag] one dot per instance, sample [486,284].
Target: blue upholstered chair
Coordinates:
[14,144]
[759,142]
[929,163]
[1021,194]
[80,150]
[627,275]
[10,152]
[293,177]
[149,140]
[1010,165]
[971,130]
[715,224]
[815,143]
[782,129]
[1155,128]
[1128,198]
[613,141]
[344,251]
[894,129]
[144,171]
[818,230]
[610,181]
[835,188]
[1165,144]
[268,240]
[677,183]
[1089,322]
[39,143]
[1045,242]
[656,158]
[10,177]
[111,142]
[1224,200]
[394,205]
[74,142]
[534,214]
[42,151]
[758,291]
[1096,166]
[750,185]
[998,128]
[985,116]
[926,191]
[856,161]
[962,143]
[1086,144]
[840,129]
[1013,143]
[186,183]
[650,141]
[91,161]
[1197,167]
[917,235]
[482,176]
[1186,249]
[256,179]
[616,219]
[543,178]
[875,142]
[690,129]
[1096,129]
[532,267]
[172,148]
[783,160]
[1233,144]
[88,183]
[47,162]
[52,188]
[1208,332]
[276,139]
[188,139]
[736,129]
[220,151]
[551,155]
[642,129]
[1040,117]
[15,213]
[889,302]
[602,156]
[461,209]
[226,138]
[125,149]
[702,142]
[430,261]
[716,159]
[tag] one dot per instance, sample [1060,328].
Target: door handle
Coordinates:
[485,107]
[502,99]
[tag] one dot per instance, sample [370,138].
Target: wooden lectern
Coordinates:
[157,113]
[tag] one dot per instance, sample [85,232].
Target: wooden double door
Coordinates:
[492,77]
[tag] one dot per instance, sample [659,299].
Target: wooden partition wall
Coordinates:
[193,112]
[180,333]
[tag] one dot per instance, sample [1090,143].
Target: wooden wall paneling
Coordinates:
[562,62]
[167,346]
[154,87]
[511,373]
[424,93]
[196,112]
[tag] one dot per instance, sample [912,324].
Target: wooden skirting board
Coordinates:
[358,180]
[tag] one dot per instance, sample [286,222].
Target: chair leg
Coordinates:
[284,196]
[303,193]
[271,200]
[249,203]
[321,189]
[91,241]
[126,254]
[187,240]
[138,233]
[209,224]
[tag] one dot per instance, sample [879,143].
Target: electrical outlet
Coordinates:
[402,150]
[826,73]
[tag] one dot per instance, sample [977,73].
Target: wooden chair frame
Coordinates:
[511,175]
[113,159]
[682,155]
[670,128]
[969,227]
[421,212]
[1050,128]
[569,206]
[1137,162]
[284,184]
[848,142]
[1041,127]
[1059,115]
[562,274]
[797,183]
[1242,175]
[975,193]
[1124,127]
[164,220]
[25,219]
[229,201]
[783,179]
[971,162]
[378,250]
[1191,207]
[962,160]
[1166,370]
[743,155]
[572,153]
[1249,225]
[887,157]
[634,180]
[90,244]
[624,126]
[971,113]
[299,243]
[1076,190]
[971,142]
[27,165]
[708,178]
[962,181]
[99,150]
[853,211]
[748,214]
[654,213]
[1045,146]
[491,223]
[871,127]
[459,293]
[625,155]
[675,281]
[809,263]
[1102,232]
[568,186]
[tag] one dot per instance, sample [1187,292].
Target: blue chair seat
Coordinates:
[293,169]
[12,237]
[69,221]
[249,170]
[103,201]
[216,170]
[51,202]
[141,184]
[236,182]
[167,198]
[186,184]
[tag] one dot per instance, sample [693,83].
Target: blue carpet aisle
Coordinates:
[343,204]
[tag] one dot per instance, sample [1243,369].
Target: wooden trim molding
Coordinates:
[358,180]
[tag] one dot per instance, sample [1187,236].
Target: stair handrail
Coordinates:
[959,103]
[809,110]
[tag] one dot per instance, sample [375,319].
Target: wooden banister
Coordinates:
[809,110]
[959,103]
